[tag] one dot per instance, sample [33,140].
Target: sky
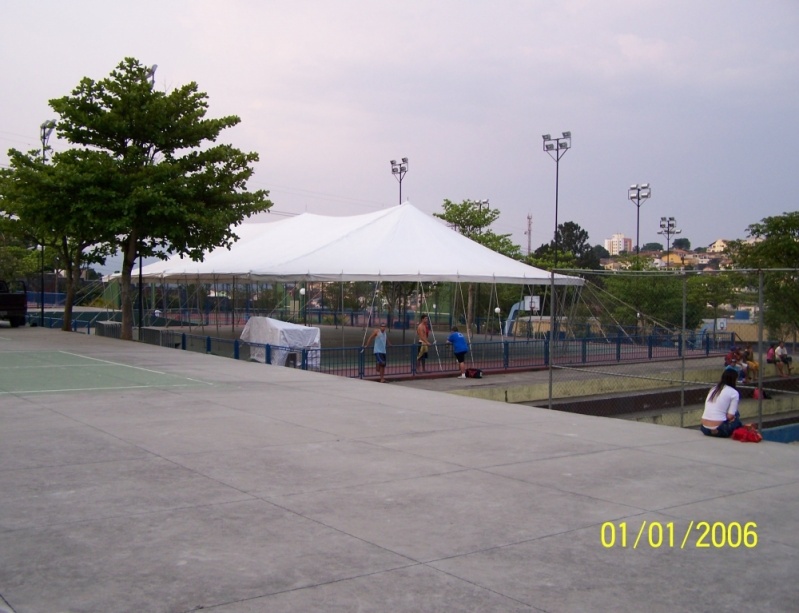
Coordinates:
[698,98]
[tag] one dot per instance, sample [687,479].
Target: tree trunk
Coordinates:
[72,270]
[125,289]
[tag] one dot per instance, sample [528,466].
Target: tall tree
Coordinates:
[574,250]
[681,243]
[48,200]
[167,188]
[775,245]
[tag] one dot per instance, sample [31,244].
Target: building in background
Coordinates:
[618,243]
[718,246]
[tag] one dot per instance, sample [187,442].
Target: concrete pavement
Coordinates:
[136,478]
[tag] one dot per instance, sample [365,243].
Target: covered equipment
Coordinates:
[286,341]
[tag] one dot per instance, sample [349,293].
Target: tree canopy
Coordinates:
[774,245]
[145,175]
[574,250]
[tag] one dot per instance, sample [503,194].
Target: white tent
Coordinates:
[285,338]
[400,243]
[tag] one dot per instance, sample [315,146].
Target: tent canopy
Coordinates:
[400,243]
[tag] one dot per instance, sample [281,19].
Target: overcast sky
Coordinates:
[700,98]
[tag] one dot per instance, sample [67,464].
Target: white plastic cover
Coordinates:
[285,338]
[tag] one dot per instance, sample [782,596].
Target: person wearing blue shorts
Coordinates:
[460,347]
[381,343]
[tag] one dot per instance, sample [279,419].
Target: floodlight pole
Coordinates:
[46,129]
[557,148]
[399,169]
[638,194]
[668,228]
[150,78]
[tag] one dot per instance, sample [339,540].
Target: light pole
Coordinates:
[150,78]
[557,148]
[398,169]
[46,129]
[638,194]
[668,228]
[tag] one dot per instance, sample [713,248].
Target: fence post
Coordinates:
[183,341]
[413,359]
[267,354]
[304,359]
[679,348]
[505,354]
[650,341]
[546,350]
[361,362]
[236,349]
[618,347]
[208,344]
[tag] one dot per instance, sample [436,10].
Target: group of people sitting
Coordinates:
[743,362]
[779,357]
[721,417]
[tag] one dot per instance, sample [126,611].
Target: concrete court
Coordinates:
[206,483]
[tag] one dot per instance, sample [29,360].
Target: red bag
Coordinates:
[747,434]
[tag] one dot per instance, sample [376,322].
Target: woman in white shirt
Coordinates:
[721,416]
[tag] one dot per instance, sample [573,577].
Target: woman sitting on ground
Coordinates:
[721,416]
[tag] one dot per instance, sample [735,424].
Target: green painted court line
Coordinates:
[43,372]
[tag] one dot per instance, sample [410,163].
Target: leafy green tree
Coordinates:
[681,243]
[19,258]
[600,253]
[714,289]
[775,246]
[574,250]
[652,247]
[47,200]
[653,297]
[166,187]
[544,258]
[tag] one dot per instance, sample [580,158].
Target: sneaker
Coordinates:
[462,376]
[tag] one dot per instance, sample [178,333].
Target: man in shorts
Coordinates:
[422,335]
[460,347]
[381,342]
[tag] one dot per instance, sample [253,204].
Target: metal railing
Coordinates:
[492,356]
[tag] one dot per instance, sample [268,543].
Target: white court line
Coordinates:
[157,372]
[91,389]
[78,355]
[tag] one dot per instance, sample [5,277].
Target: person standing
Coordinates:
[423,337]
[721,416]
[380,337]
[460,347]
